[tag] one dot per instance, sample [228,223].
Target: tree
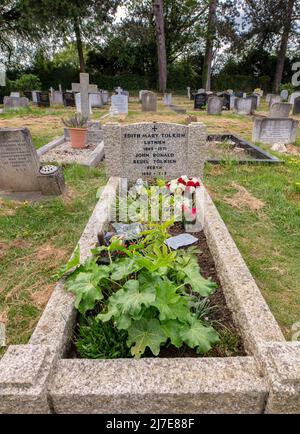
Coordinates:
[158,9]
[210,37]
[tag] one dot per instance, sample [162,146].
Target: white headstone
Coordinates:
[120,102]
[15,94]
[78,104]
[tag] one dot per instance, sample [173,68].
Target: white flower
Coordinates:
[192,189]
[185,178]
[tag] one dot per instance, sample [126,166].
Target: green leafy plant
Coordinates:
[75,121]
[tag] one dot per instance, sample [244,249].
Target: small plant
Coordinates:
[76,121]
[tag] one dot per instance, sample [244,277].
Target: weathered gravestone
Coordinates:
[254,99]
[274,99]
[215,105]
[15,94]
[96,100]
[43,99]
[200,101]
[149,102]
[34,96]
[284,94]
[20,169]
[167,99]
[239,94]
[201,91]
[69,99]
[226,100]
[243,106]
[56,97]
[141,92]
[280,110]
[293,97]
[119,103]
[232,102]
[296,109]
[104,96]
[84,88]
[274,130]
[78,104]
[149,150]
[15,103]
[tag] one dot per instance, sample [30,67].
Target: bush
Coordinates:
[28,82]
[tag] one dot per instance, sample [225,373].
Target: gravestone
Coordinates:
[119,104]
[167,99]
[232,102]
[105,96]
[296,109]
[149,102]
[56,97]
[28,94]
[141,92]
[200,101]
[78,104]
[215,105]
[280,110]
[274,99]
[20,166]
[96,99]
[239,94]
[125,92]
[34,96]
[15,94]
[84,88]
[43,99]
[274,130]
[188,93]
[293,97]
[284,94]
[243,106]
[254,99]
[201,91]
[226,100]
[149,150]
[69,99]
[15,103]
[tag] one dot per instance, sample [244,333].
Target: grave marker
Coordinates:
[167,99]
[243,106]
[149,102]
[274,99]
[280,110]
[296,110]
[119,104]
[43,99]
[147,150]
[272,130]
[84,88]
[69,99]
[57,97]
[200,101]
[15,103]
[215,105]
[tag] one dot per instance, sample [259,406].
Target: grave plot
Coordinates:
[264,380]
[223,147]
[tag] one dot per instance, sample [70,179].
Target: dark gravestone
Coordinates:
[200,101]
[28,94]
[69,99]
[254,102]
[226,101]
[296,110]
[239,94]
[43,99]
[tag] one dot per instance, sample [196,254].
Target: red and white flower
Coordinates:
[180,185]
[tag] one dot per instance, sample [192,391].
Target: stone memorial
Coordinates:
[43,99]
[226,100]
[20,167]
[284,95]
[215,105]
[296,109]
[141,94]
[15,103]
[239,94]
[105,96]
[200,101]
[201,91]
[149,150]
[232,102]
[28,94]
[119,104]
[280,110]
[96,100]
[69,99]
[293,97]
[243,106]
[274,130]
[149,102]
[34,96]
[167,99]
[274,99]
[84,88]
[15,94]
[254,102]
[57,97]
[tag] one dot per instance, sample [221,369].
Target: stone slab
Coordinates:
[274,130]
[149,102]
[280,110]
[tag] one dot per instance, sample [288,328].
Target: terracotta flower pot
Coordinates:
[78,137]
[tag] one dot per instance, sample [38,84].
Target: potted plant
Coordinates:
[77,125]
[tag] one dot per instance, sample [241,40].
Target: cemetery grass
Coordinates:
[35,240]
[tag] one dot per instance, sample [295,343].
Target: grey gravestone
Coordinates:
[243,106]
[105,96]
[119,103]
[34,96]
[254,102]
[84,88]
[200,101]
[14,103]
[293,97]
[56,97]
[232,102]
[20,166]
[274,130]
[280,110]
[149,102]
[215,105]
[15,94]
[239,94]
[274,99]
[43,99]
[284,94]
[96,99]
[78,104]
[28,94]
[148,150]
[296,110]
[167,98]
[141,94]
[69,99]
[226,100]
[201,91]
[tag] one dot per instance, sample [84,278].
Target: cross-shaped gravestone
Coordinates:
[119,90]
[85,89]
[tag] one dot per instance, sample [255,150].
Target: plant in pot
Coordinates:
[77,125]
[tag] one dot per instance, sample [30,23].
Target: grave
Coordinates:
[78,104]
[226,100]
[119,104]
[15,94]
[280,110]
[84,88]
[293,96]
[232,102]
[284,95]
[167,99]
[239,94]
[215,105]
[57,97]
[147,150]
[69,99]
[28,94]
[254,99]
[274,130]
[243,106]
[96,100]
[200,101]
[34,96]
[141,94]
[60,150]
[274,99]
[43,99]
[296,109]
[105,96]
[21,172]
[149,102]
[15,103]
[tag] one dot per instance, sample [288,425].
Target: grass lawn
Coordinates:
[35,240]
